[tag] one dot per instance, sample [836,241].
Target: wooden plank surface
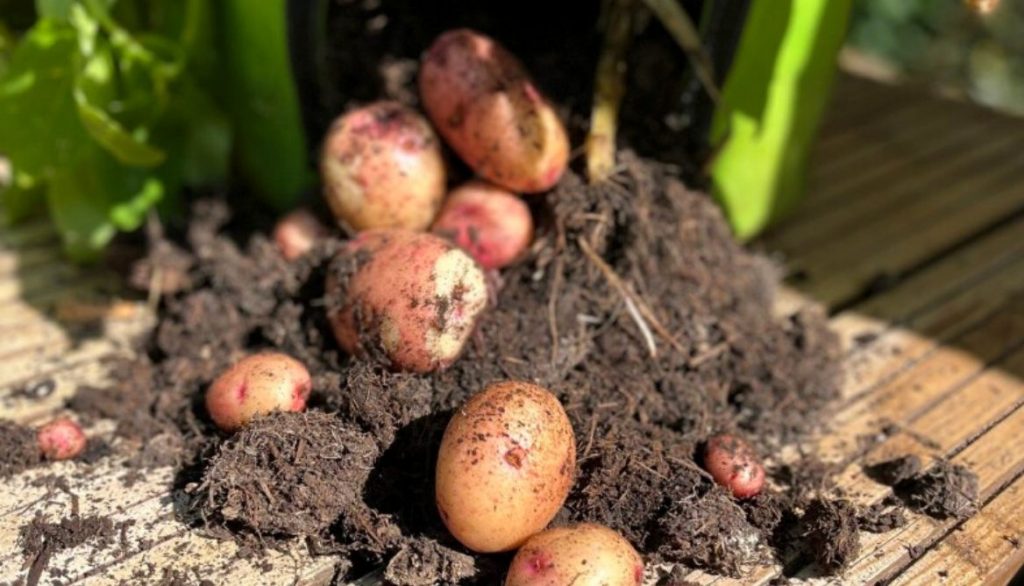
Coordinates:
[923,196]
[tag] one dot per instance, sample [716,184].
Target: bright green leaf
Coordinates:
[58,10]
[39,126]
[92,201]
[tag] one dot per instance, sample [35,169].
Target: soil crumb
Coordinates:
[942,491]
[19,449]
[882,517]
[423,562]
[830,531]
[288,474]
[896,470]
[41,539]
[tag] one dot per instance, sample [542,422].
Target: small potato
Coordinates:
[491,224]
[382,168]
[416,296]
[297,232]
[257,385]
[488,110]
[581,555]
[505,466]
[61,439]
[734,465]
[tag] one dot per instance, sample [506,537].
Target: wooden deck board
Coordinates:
[928,192]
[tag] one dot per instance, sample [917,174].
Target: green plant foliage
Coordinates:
[86,103]
[771,105]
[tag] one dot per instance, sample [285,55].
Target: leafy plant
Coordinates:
[110,107]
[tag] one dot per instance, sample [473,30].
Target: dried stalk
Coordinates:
[679,25]
[609,87]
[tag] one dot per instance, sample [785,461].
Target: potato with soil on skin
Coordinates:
[61,439]
[505,466]
[382,167]
[491,224]
[297,232]
[733,464]
[415,297]
[581,555]
[489,111]
[257,385]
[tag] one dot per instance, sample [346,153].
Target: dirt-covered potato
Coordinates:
[581,555]
[734,464]
[491,224]
[382,168]
[257,385]
[414,296]
[489,111]
[505,466]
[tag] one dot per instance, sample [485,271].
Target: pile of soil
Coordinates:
[357,471]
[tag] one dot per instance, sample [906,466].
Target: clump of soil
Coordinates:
[289,474]
[423,562]
[831,533]
[19,449]
[41,539]
[942,491]
[882,517]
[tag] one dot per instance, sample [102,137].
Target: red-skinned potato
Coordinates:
[505,466]
[257,385]
[382,168]
[415,296]
[61,439]
[489,111]
[297,232]
[734,465]
[491,224]
[581,555]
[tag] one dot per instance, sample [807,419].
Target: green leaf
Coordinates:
[59,10]
[39,126]
[270,146]
[92,201]
[771,105]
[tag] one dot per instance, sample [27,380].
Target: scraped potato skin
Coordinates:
[581,555]
[491,224]
[416,296]
[382,167]
[257,385]
[505,466]
[488,110]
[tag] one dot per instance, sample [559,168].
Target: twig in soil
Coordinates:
[617,283]
[679,25]
[642,325]
[609,87]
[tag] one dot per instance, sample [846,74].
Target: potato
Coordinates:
[581,555]
[257,385]
[505,466]
[416,297]
[382,168]
[488,110]
[491,224]
[734,465]
[297,232]
[61,439]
